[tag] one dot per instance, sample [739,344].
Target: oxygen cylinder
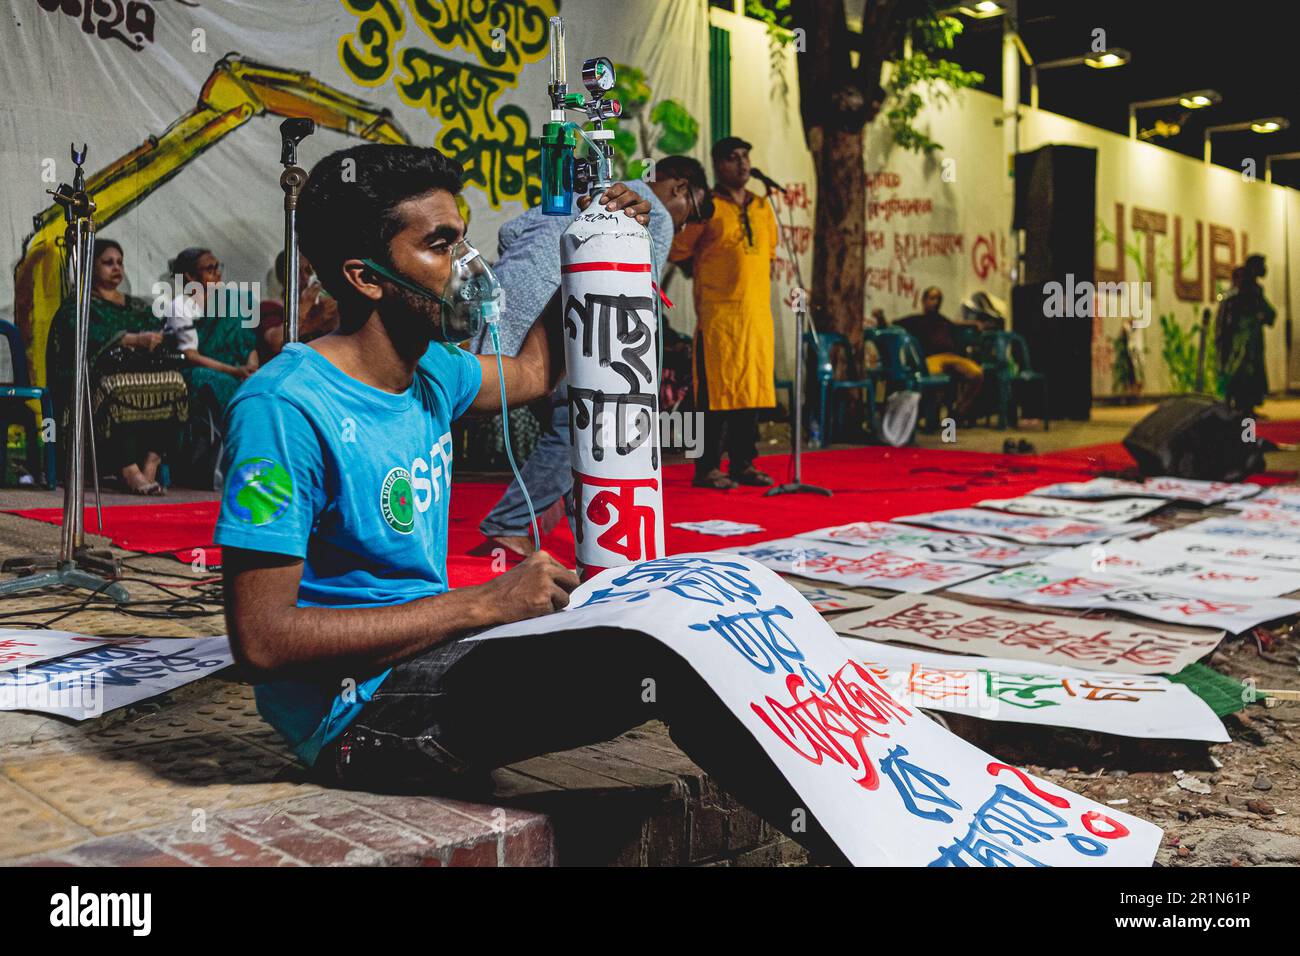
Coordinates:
[611,350]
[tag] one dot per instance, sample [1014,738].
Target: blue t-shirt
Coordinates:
[355,481]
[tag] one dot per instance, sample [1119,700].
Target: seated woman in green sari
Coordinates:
[209,326]
[137,405]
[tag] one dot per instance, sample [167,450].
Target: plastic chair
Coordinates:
[16,394]
[1006,361]
[831,388]
[904,369]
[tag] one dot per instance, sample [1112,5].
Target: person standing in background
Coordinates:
[730,258]
[1239,335]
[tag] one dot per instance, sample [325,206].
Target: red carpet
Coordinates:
[869,483]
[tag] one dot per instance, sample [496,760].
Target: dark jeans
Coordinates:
[444,719]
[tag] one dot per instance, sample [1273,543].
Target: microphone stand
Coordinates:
[800,319]
[92,569]
[292,132]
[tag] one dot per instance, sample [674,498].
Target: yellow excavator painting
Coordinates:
[235,92]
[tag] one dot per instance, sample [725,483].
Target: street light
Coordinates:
[1268,163]
[983,10]
[1105,60]
[1196,100]
[1269,124]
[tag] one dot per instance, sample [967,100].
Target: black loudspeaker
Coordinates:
[1193,436]
[1056,206]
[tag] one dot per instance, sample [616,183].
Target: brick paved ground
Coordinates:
[196,778]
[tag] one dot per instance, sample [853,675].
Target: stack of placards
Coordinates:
[1155,562]
[1052,585]
[1026,529]
[1105,511]
[853,566]
[930,545]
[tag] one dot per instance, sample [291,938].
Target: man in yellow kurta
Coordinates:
[730,257]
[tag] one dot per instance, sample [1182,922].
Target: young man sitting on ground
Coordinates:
[334,522]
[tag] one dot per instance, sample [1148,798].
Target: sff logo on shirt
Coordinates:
[405,492]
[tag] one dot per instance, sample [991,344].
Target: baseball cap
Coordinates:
[723,147]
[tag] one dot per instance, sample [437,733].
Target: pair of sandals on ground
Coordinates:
[717,480]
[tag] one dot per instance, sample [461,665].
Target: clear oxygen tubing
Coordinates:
[505,434]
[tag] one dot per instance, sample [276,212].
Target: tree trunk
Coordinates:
[839,233]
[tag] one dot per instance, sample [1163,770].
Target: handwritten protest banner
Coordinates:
[929,621]
[858,567]
[88,684]
[1175,489]
[889,786]
[1272,500]
[1110,511]
[932,545]
[1151,561]
[1025,529]
[22,648]
[1251,514]
[1272,530]
[1209,547]
[999,689]
[828,600]
[1049,585]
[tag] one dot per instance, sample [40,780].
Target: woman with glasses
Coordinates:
[137,399]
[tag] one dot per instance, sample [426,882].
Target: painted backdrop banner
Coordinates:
[888,785]
[180,104]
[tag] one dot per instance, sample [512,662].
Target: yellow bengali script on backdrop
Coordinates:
[493,144]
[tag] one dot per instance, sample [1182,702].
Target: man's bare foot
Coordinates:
[515,544]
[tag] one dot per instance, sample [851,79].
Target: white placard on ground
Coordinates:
[888,785]
[829,600]
[1034,636]
[21,647]
[1156,563]
[1209,547]
[1267,500]
[1175,489]
[1046,585]
[931,545]
[89,684]
[1108,511]
[858,567]
[718,526]
[1025,529]
[1129,705]
[1276,531]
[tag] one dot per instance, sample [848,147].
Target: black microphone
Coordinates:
[771,184]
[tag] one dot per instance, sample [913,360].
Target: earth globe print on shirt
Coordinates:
[258,491]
